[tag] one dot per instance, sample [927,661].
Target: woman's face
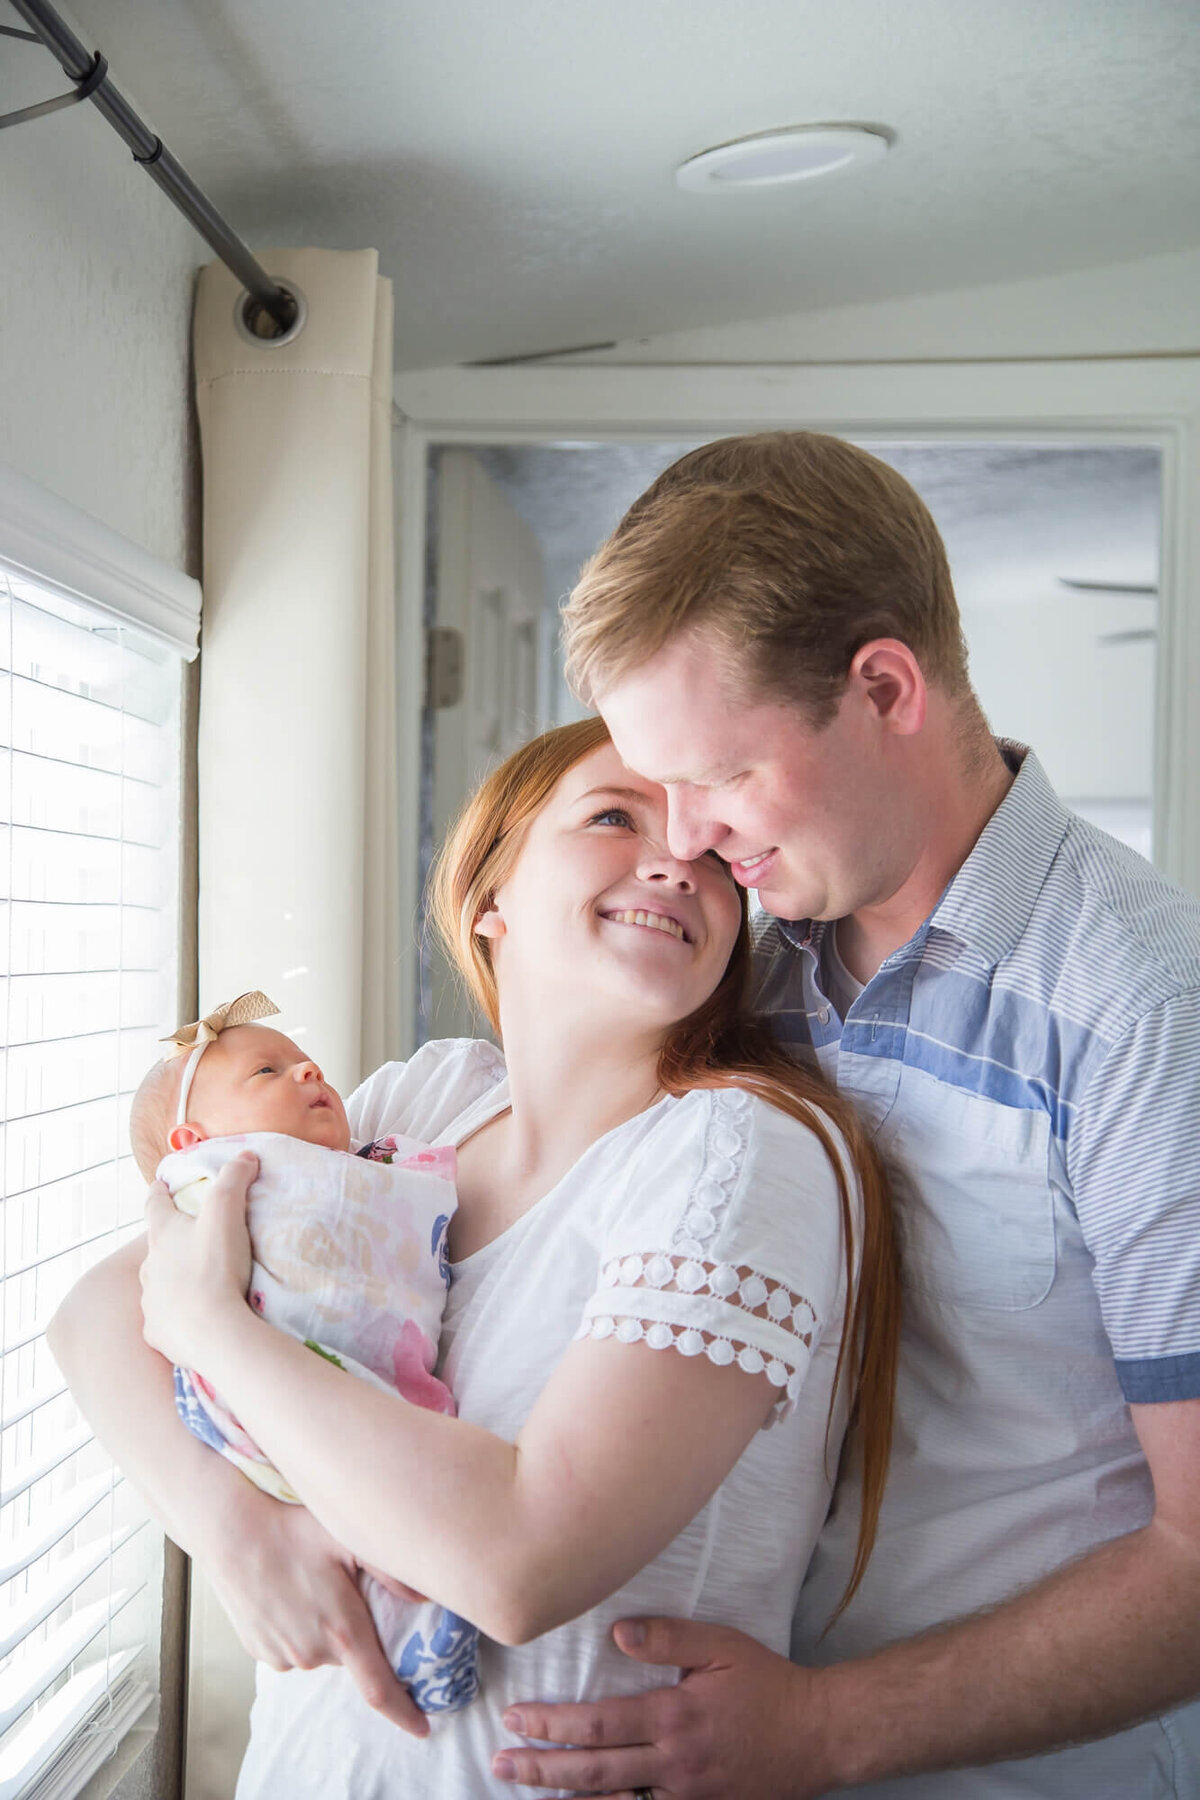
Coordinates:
[598,911]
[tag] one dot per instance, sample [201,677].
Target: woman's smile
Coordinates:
[656,921]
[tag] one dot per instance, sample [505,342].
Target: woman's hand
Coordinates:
[196,1271]
[292,1596]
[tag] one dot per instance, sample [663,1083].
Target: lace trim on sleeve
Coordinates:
[725,1142]
[615,1310]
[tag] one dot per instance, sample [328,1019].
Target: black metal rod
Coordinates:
[158,162]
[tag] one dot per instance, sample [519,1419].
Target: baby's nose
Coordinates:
[308,1071]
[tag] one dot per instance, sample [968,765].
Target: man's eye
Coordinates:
[611,815]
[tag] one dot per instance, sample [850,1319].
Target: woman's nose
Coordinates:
[658,864]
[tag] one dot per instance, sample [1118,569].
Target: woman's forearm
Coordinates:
[518,1537]
[125,1391]
[429,1499]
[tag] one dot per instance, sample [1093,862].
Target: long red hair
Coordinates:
[720,1045]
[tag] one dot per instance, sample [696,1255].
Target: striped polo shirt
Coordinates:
[1030,1063]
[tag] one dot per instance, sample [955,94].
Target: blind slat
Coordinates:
[16,1622]
[26,1473]
[17,1410]
[36,1746]
[29,1675]
[50,1530]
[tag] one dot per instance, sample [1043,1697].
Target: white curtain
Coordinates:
[297,732]
[297,777]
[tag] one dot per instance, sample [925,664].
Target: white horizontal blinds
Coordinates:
[89,753]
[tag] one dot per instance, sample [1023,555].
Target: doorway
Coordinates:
[1054,549]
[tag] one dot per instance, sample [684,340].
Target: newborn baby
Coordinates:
[349,1257]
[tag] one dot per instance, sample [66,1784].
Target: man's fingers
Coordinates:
[578,1771]
[599,1726]
[368,1668]
[682,1643]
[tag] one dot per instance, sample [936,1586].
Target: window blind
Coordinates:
[89,837]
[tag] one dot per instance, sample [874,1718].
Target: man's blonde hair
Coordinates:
[790,550]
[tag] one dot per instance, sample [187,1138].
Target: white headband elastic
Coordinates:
[185,1086]
[193,1040]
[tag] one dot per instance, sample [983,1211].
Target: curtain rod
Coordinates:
[153,155]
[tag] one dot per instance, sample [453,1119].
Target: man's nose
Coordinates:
[690,832]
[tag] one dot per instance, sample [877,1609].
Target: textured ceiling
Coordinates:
[514,164]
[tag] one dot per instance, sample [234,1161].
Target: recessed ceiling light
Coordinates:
[771,158]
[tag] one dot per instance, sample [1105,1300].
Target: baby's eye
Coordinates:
[265,1070]
[611,815]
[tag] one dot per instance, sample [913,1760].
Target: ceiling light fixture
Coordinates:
[796,153]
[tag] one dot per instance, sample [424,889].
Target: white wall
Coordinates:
[1122,309]
[95,308]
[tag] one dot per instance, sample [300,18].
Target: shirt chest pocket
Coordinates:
[973,1195]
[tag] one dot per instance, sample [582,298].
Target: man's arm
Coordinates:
[1102,1643]
[290,1591]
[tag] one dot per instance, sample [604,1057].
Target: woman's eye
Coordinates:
[612,815]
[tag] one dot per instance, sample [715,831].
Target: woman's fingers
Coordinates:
[400,1589]
[159,1204]
[368,1668]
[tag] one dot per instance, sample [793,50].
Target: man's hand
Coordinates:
[293,1598]
[728,1731]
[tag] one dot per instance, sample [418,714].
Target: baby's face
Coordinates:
[255,1079]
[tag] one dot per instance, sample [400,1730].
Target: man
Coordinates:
[1013,999]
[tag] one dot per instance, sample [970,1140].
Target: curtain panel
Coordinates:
[297,741]
[297,830]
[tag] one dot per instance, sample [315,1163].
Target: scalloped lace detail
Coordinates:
[725,1141]
[757,1295]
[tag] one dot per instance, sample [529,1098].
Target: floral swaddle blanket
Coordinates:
[350,1257]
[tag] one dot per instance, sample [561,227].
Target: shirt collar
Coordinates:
[987,905]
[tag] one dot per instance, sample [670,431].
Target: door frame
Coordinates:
[1151,401]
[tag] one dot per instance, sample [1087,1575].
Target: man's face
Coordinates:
[802,815]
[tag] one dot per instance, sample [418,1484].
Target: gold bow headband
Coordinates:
[193,1040]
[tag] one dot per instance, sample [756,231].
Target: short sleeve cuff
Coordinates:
[1151,1379]
[727,1314]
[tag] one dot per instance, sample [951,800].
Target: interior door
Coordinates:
[490,590]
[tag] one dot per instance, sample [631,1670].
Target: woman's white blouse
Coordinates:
[707,1225]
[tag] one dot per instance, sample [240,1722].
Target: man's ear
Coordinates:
[489,923]
[183,1137]
[893,683]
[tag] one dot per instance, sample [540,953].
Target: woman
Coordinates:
[644,1174]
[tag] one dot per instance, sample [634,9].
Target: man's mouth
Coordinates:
[750,869]
[654,920]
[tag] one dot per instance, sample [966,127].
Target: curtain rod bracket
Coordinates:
[85,85]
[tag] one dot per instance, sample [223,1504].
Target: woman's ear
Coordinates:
[183,1137]
[488,923]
